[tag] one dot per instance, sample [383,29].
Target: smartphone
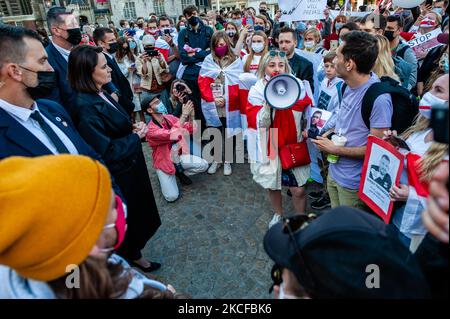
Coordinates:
[439,123]
[167,31]
[334,44]
[429,2]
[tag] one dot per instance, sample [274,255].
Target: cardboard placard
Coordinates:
[302,10]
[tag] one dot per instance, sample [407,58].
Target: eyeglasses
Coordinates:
[275,53]
[291,226]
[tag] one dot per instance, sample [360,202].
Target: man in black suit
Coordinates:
[301,67]
[30,126]
[105,38]
[66,34]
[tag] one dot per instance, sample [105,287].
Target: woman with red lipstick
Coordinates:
[265,125]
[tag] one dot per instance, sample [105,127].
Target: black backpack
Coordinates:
[405,104]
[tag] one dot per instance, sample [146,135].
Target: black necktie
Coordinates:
[60,147]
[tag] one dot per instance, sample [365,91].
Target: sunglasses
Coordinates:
[275,53]
[291,226]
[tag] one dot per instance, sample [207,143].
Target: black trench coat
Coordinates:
[108,130]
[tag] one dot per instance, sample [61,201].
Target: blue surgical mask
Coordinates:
[338,26]
[438,10]
[161,108]
[132,45]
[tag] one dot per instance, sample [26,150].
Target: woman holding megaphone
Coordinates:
[276,132]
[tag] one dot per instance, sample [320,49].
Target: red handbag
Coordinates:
[294,155]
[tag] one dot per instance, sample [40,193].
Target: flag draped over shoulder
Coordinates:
[208,74]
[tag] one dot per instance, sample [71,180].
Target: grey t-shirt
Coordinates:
[347,171]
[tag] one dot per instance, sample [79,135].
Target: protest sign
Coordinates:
[301,10]
[425,42]
[382,168]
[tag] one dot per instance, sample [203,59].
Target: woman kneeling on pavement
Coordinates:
[167,137]
[64,249]
[266,166]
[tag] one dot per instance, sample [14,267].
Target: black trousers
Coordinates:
[143,218]
[193,85]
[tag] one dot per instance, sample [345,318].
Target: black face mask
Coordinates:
[140,25]
[193,21]
[389,35]
[74,36]
[113,48]
[46,83]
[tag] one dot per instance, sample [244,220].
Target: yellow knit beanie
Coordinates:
[52,212]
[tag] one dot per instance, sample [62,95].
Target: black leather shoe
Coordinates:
[184,179]
[153,266]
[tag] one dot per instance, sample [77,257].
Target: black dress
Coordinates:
[108,129]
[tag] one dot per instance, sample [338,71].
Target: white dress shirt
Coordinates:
[65,53]
[22,115]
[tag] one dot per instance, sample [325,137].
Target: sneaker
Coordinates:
[213,168]
[275,219]
[227,171]
[184,180]
[321,203]
[315,195]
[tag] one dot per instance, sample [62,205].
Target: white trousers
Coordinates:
[192,165]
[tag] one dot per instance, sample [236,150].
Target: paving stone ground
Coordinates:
[210,240]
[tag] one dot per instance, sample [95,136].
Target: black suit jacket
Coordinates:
[63,93]
[122,84]
[16,140]
[302,69]
[109,131]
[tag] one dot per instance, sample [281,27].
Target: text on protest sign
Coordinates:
[425,42]
[301,10]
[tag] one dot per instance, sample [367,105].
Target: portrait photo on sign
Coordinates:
[316,121]
[382,168]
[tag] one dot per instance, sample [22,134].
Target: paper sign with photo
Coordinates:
[217,90]
[382,168]
[317,119]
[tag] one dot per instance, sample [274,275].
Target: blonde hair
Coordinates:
[435,154]
[315,32]
[267,59]
[384,65]
[252,53]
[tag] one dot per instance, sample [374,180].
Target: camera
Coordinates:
[152,52]
[439,122]
[180,88]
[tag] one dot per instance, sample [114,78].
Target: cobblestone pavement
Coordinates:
[210,240]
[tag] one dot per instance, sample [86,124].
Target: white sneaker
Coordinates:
[213,168]
[275,219]
[227,171]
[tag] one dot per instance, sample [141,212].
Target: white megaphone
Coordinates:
[407,4]
[283,91]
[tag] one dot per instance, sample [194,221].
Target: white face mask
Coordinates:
[309,44]
[258,47]
[231,33]
[427,102]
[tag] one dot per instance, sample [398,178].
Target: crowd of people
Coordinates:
[93,94]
